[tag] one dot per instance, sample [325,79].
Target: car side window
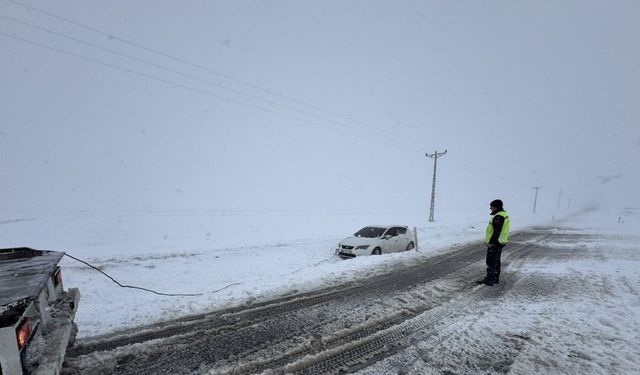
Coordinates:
[392,232]
[402,230]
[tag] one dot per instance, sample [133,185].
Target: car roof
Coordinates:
[386,226]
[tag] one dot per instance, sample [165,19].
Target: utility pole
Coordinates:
[435,157]
[535,199]
[559,198]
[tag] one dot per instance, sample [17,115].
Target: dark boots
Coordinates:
[491,278]
[493,265]
[485,282]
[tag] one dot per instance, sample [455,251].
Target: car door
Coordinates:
[393,243]
[403,239]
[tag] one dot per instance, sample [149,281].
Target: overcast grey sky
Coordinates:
[521,93]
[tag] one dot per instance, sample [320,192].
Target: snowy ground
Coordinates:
[231,258]
[586,322]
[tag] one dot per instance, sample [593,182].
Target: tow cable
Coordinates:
[141,288]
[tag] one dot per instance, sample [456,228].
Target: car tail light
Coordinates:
[22,333]
[57,277]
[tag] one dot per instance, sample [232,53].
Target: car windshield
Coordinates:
[370,232]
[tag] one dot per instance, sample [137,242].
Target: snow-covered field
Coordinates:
[230,258]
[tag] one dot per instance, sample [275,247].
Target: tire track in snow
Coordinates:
[528,288]
[337,343]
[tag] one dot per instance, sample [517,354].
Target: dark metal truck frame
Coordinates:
[36,313]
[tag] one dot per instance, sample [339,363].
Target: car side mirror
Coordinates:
[387,236]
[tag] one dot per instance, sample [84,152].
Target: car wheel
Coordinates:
[376,251]
[410,246]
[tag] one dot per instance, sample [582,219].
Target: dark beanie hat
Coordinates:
[496,203]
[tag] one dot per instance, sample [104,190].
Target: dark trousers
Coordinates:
[493,262]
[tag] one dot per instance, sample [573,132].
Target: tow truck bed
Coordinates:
[36,314]
[24,273]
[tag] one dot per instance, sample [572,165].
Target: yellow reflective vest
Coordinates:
[503,238]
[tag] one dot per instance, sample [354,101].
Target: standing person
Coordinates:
[496,238]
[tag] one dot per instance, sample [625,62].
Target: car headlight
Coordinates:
[362,247]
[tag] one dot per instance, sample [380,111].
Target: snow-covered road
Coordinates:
[285,332]
[573,307]
[568,303]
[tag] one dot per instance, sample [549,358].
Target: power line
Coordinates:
[402,139]
[113,66]
[138,45]
[385,135]
[407,141]
[187,62]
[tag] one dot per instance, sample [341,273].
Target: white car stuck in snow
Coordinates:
[376,240]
